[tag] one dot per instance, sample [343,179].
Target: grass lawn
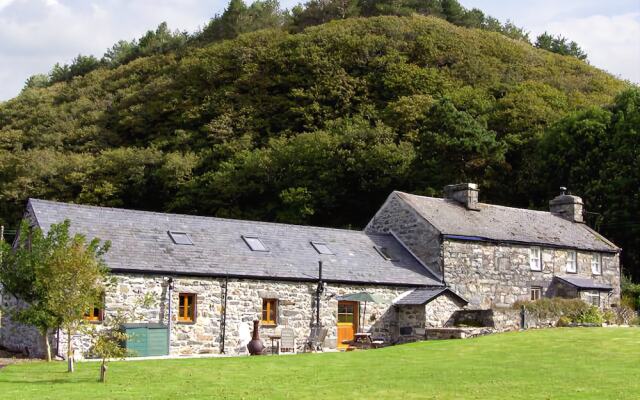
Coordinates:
[573,363]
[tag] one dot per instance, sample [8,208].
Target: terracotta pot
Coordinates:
[255,346]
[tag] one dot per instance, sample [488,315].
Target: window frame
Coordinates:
[269,305]
[538,267]
[596,259]
[592,294]
[535,289]
[247,238]
[384,253]
[318,245]
[94,317]
[174,235]
[572,261]
[183,316]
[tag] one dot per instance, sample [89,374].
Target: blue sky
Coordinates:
[35,34]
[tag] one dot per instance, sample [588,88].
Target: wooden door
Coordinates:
[347,321]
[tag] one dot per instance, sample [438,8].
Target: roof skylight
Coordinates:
[254,243]
[384,253]
[180,238]
[321,248]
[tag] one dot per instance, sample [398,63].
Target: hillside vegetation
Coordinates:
[319,126]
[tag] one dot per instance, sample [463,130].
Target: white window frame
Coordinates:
[593,295]
[533,289]
[535,258]
[596,264]
[572,262]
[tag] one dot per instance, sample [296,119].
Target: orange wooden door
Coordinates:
[347,321]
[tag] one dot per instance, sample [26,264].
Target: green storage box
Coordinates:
[146,340]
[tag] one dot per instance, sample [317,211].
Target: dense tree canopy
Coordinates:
[319,126]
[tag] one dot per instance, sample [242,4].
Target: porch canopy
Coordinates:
[584,283]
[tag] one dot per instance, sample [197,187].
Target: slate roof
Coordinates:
[584,283]
[505,224]
[140,243]
[421,296]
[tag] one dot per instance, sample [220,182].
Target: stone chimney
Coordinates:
[567,206]
[464,193]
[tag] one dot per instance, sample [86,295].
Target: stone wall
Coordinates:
[415,320]
[396,217]
[144,298]
[497,275]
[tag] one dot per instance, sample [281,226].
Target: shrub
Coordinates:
[554,307]
[610,316]
[563,321]
[591,315]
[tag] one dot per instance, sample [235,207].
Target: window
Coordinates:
[269,311]
[571,262]
[593,298]
[535,293]
[384,253]
[321,248]
[95,314]
[187,307]
[254,243]
[535,259]
[180,238]
[596,264]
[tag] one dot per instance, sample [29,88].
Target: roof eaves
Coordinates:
[532,243]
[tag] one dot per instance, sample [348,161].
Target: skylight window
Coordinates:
[254,243]
[321,248]
[180,238]
[384,253]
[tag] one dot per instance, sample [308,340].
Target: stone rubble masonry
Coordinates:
[296,309]
[415,320]
[419,236]
[497,275]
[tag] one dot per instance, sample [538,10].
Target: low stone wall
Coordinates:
[501,319]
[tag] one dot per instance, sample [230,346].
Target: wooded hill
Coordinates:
[318,127]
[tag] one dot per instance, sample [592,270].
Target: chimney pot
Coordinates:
[463,193]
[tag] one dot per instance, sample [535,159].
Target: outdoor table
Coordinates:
[362,340]
[274,338]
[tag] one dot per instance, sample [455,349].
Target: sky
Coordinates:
[35,34]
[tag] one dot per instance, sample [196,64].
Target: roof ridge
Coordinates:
[191,216]
[484,204]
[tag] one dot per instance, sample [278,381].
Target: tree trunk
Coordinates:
[70,366]
[46,344]
[103,371]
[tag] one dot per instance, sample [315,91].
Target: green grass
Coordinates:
[580,363]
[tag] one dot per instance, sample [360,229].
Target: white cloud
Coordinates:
[612,42]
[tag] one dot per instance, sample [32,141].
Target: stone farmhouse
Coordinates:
[424,259]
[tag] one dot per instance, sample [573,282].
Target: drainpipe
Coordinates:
[319,291]
[224,313]
[170,294]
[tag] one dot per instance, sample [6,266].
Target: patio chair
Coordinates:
[287,341]
[316,339]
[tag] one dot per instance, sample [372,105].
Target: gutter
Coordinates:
[261,278]
[463,238]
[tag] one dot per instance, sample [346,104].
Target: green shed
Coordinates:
[145,340]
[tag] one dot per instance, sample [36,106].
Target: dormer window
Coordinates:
[321,248]
[384,253]
[254,243]
[182,238]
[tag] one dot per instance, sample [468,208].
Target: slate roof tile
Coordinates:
[140,243]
